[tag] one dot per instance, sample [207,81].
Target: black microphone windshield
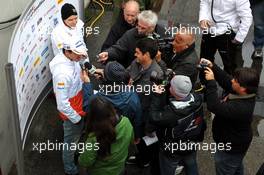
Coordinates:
[87,65]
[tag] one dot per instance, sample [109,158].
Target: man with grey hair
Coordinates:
[124,49]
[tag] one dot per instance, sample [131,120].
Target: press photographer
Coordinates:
[177,119]
[233,114]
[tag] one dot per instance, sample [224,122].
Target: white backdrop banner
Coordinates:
[30,52]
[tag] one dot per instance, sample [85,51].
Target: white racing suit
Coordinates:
[67,86]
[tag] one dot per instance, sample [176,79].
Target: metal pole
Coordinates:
[10,78]
[82,10]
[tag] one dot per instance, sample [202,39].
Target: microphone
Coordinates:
[89,68]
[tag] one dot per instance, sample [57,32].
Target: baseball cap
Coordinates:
[77,47]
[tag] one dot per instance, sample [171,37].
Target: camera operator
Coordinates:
[233,114]
[185,59]
[124,49]
[177,120]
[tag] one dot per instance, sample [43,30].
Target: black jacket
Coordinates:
[116,31]
[254,2]
[233,117]
[185,63]
[175,123]
[124,49]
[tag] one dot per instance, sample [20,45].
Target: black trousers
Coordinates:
[230,53]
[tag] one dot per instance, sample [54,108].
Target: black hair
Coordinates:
[247,78]
[148,45]
[64,50]
[102,119]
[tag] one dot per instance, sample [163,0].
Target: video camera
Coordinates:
[165,46]
[169,74]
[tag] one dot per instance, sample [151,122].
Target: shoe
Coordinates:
[71,174]
[132,160]
[145,165]
[178,170]
[257,53]
[76,157]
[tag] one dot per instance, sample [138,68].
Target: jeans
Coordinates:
[257,12]
[72,133]
[168,164]
[229,164]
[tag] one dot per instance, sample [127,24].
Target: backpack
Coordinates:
[191,127]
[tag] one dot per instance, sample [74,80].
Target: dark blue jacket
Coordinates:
[126,103]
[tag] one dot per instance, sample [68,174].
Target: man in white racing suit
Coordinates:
[70,29]
[67,85]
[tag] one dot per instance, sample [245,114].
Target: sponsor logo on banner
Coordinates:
[37,77]
[55,21]
[17,59]
[59,1]
[21,72]
[40,38]
[33,48]
[43,70]
[37,7]
[26,68]
[44,51]
[23,87]
[37,61]
[44,77]
[39,21]
[47,56]
[49,10]
[27,37]
[32,28]
[26,60]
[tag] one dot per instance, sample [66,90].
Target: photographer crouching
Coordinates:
[233,114]
[178,120]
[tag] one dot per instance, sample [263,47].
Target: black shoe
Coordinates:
[71,174]
[76,157]
[257,54]
[132,160]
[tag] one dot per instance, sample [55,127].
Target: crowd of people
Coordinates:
[148,95]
